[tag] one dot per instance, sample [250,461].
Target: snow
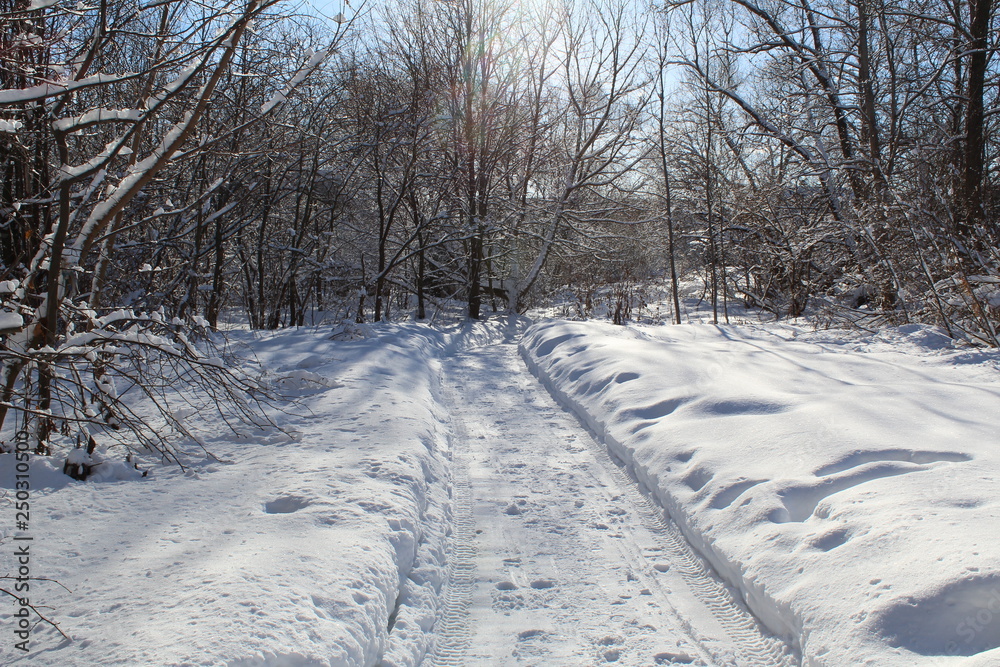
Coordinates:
[125,188]
[425,499]
[10,321]
[93,165]
[573,565]
[293,548]
[97,116]
[845,487]
[93,116]
[44,90]
[279,97]
[78,456]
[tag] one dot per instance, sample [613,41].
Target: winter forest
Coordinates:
[164,164]
[174,171]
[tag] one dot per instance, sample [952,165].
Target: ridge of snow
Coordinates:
[803,471]
[321,544]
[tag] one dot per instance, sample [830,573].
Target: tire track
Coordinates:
[754,647]
[698,620]
[452,627]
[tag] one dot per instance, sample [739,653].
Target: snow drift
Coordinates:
[318,544]
[845,486]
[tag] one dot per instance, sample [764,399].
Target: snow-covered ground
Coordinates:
[571,564]
[295,550]
[427,500]
[846,485]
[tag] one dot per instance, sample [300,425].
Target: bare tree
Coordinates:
[112,132]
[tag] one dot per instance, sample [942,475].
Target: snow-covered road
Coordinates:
[426,501]
[557,557]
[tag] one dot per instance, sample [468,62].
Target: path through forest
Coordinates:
[558,558]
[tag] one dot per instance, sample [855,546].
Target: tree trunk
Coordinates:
[981,12]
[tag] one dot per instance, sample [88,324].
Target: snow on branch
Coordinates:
[280,97]
[46,90]
[95,116]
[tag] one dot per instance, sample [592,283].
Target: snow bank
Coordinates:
[846,486]
[318,544]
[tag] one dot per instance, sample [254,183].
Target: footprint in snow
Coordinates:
[286,504]
[670,658]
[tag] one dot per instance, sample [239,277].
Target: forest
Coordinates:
[172,166]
